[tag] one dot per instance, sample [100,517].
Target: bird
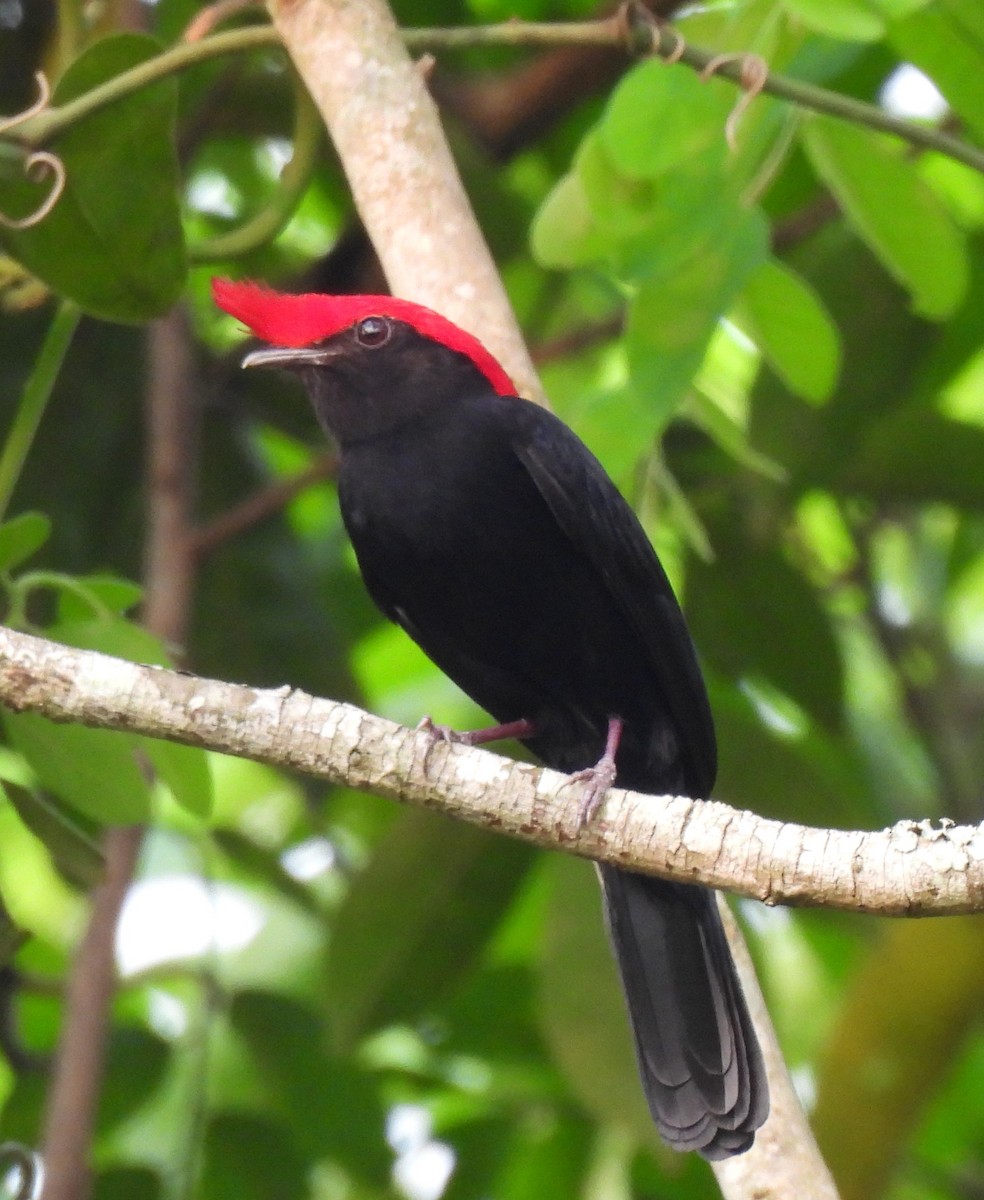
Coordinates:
[487,530]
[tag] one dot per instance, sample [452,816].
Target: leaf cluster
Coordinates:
[776,350]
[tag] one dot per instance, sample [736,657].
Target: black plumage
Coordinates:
[487,530]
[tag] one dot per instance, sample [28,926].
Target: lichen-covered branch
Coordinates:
[912,869]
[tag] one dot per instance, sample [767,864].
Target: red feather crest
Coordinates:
[300,320]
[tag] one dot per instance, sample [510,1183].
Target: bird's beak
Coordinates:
[288,357]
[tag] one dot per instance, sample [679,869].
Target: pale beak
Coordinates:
[289,357]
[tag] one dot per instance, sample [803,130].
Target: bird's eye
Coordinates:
[373,332]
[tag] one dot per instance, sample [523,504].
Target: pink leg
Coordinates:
[601,776]
[479,737]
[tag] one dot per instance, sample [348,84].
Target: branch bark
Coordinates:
[784,1160]
[911,869]
[173,429]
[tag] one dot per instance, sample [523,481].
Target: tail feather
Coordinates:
[699,1058]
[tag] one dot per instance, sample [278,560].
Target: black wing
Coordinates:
[594,516]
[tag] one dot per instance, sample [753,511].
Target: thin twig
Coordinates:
[34,400]
[264,226]
[577,340]
[262,504]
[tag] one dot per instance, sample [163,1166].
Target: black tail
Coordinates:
[699,1058]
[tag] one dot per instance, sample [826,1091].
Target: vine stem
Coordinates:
[631,30]
[34,401]
[296,175]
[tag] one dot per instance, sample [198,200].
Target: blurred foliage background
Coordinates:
[777,352]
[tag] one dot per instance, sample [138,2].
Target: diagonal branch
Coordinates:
[912,869]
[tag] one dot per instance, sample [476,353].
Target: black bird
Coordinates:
[490,533]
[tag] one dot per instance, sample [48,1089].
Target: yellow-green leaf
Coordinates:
[793,330]
[894,210]
[852,20]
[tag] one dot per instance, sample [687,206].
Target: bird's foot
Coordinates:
[599,778]
[472,737]
[476,737]
[439,733]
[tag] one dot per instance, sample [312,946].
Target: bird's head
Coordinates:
[370,363]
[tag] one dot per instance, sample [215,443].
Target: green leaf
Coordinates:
[795,649]
[91,769]
[696,205]
[480,1148]
[11,938]
[893,9]
[757,762]
[247,1157]
[720,425]
[127,1183]
[415,920]
[555,1161]
[658,118]
[915,456]
[72,848]
[331,1107]
[113,242]
[794,331]
[21,536]
[967,14]
[646,227]
[136,1066]
[852,20]
[647,190]
[894,211]
[184,769]
[620,204]
[671,320]
[108,592]
[564,233]
[110,635]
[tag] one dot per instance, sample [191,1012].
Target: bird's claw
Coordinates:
[439,733]
[597,780]
[436,735]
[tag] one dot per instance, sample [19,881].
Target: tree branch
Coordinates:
[256,507]
[911,869]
